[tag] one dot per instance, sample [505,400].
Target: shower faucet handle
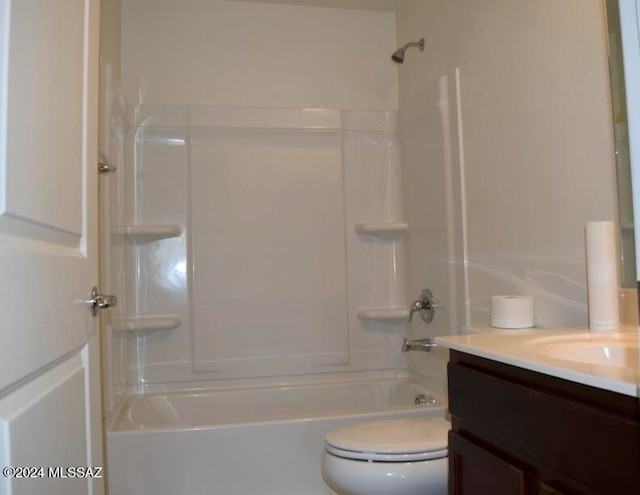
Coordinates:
[425,304]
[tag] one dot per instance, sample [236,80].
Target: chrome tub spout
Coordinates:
[417,345]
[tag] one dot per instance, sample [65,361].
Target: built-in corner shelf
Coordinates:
[143,234]
[390,232]
[148,323]
[391,313]
[381,229]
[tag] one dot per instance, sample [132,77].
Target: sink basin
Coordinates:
[616,350]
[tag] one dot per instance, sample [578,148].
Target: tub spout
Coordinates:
[418,345]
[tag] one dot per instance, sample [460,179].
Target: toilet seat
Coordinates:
[399,440]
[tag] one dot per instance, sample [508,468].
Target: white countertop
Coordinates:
[513,347]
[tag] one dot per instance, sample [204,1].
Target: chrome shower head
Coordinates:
[398,55]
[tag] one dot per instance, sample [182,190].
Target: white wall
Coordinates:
[538,152]
[110,48]
[535,117]
[251,54]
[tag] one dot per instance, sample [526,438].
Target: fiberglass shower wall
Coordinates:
[248,262]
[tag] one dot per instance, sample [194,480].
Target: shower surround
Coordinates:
[264,242]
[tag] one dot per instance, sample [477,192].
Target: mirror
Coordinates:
[621,136]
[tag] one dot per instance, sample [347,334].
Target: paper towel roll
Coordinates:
[512,311]
[602,275]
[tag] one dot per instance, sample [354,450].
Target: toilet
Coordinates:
[400,456]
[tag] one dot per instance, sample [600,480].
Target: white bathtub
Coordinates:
[244,441]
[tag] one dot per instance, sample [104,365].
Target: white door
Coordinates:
[49,384]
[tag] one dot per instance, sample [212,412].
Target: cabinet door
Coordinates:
[548,490]
[475,471]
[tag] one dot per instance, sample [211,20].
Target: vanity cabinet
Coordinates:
[516,431]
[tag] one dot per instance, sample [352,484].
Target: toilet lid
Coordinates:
[397,439]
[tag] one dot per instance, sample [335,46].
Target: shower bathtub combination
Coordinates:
[266,254]
[243,441]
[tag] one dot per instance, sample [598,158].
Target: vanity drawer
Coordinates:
[548,430]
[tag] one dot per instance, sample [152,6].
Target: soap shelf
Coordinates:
[383,229]
[143,234]
[389,231]
[148,323]
[389,313]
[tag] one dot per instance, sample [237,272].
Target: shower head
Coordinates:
[398,55]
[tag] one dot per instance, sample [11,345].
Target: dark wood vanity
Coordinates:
[516,431]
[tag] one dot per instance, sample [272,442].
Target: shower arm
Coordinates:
[419,44]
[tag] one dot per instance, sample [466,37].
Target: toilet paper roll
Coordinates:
[602,275]
[512,311]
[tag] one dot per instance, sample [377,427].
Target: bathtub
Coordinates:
[244,441]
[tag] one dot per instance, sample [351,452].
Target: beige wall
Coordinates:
[538,152]
[254,54]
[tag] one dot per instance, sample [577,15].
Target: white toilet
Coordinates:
[399,457]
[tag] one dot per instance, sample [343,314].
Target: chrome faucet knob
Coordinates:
[425,304]
[415,306]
